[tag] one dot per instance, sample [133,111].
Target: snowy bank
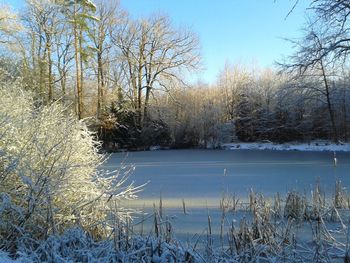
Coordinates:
[317,146]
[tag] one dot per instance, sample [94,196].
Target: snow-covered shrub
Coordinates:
[49,172]
[74,245]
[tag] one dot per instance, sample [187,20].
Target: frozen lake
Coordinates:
[199,177]
[200,174]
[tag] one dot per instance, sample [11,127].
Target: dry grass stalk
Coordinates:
[168,231]
[160,205]
[252,200]
[184,207]
[318,203]
[277,208]
[340,198]
[295,206]
[142,219]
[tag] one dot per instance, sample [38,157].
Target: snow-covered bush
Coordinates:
[74,245]
[49,172]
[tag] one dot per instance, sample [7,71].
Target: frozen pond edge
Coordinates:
[316,146]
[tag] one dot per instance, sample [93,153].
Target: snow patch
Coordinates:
[4,258]
[316,146]
[155,148]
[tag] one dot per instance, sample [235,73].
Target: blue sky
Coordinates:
[238,31]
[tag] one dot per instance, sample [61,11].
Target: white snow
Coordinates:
[4,258]
[317,146]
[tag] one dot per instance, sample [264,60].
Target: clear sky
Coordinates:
[238,31]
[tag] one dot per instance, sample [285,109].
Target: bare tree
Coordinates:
[154,55]
[78,13]
[334,16]
[109,16]
[64,55]
[232,80]
[40,20]
[9,25]
[311,60]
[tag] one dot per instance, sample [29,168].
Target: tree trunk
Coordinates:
[139,93]
[345,116]
[41,68]
[100,84]
[50,77]
[329,104]
[81,70]
[77,65]
[63,83]
[145,109]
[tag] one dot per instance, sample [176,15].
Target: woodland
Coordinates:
[81,77]
[131,79]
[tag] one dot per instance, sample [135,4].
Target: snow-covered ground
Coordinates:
[200,178]
[312,146]
[4,258]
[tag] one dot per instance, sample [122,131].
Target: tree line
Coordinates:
[127,78]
